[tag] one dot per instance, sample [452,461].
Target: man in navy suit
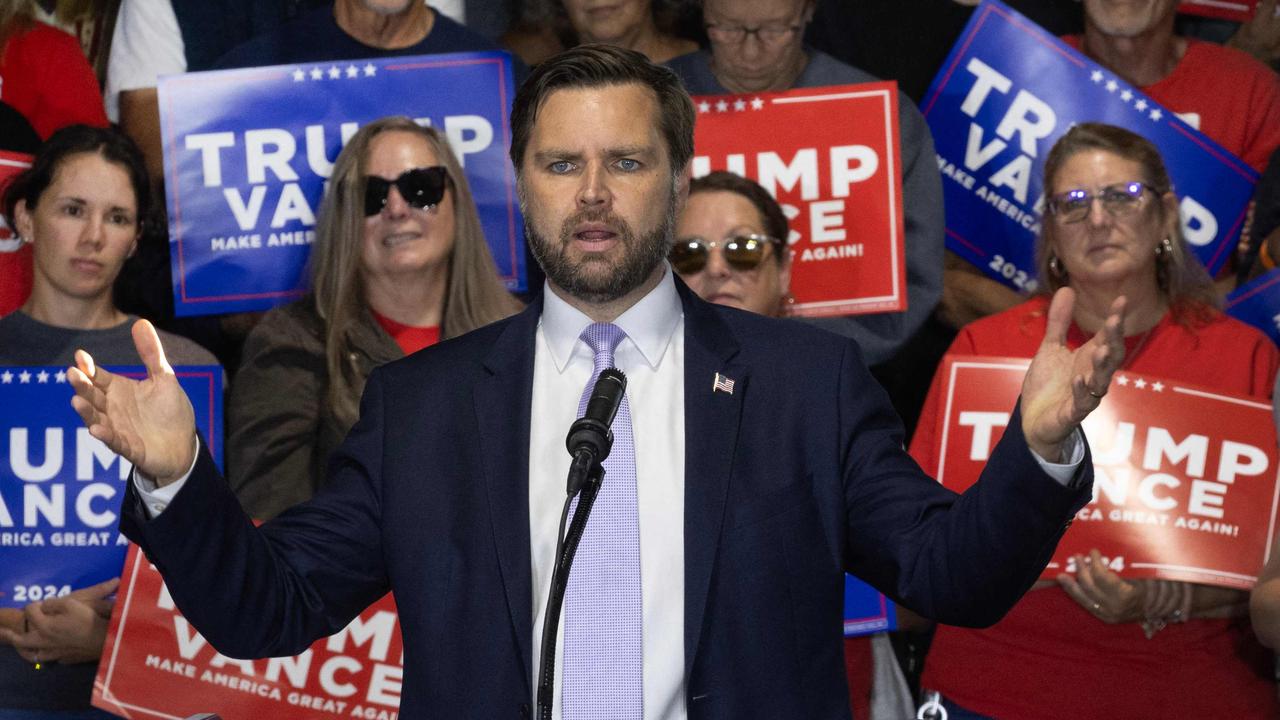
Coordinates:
[768,462]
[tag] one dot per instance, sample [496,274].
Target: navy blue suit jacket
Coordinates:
[794,478]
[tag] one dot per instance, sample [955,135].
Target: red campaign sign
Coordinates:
[155,665]
[1238,10]
[15,256]
[1185,481]
[831,157]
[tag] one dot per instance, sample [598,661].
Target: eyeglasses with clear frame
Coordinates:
[1119,199]
[770,34]
[689,255]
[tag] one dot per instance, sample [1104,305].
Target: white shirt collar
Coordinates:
[649,324]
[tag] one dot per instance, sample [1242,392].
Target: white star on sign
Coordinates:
[1141,105]
[334,72]
[1126,96]
[316,73]
[1122,381]
[42,377]
[704,107]
[6,377]
[1096,76]
[739,105]
[757,104]
[1140,383]
[1156,114]
[722,106]
[61,377]
[24,377]
[1157,386]
[370,70]
[1112,85]
[353,71]
[298,75]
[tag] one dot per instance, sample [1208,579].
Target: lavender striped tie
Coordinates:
[603,645]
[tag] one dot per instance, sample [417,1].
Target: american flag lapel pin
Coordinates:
[722,384]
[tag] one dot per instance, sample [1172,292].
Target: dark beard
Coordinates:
[576,277]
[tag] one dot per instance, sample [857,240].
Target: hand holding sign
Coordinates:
[1102,592]
[148,422]
[69,629]
[1063,386]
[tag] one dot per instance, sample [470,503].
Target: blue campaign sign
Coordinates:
[1258,303]
[1006,93]
[60,488]
[865,609]
[247,155]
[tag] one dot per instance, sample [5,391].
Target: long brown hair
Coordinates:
[474,297]
[1182,280]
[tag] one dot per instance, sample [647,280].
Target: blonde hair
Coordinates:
[475,296]
[1182,280]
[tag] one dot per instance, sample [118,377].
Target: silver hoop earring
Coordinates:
[1165,247]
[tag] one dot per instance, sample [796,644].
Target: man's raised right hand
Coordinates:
[149,422]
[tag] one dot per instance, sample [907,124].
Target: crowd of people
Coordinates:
[400,263]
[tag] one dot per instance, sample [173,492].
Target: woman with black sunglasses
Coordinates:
[399,262]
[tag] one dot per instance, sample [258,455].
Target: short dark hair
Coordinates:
[114,146]
[589,66]
[771,215]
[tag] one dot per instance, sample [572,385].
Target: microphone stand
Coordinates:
[566,548]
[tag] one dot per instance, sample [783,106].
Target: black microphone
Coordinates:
[590,437]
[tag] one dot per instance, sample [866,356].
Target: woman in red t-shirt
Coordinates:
[399,261]
[1093,644]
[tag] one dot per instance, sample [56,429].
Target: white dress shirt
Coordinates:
[652,356]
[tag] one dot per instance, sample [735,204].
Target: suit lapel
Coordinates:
[504,445]
[711,429]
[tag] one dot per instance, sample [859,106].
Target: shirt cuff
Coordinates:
[156,499]
[1063,473]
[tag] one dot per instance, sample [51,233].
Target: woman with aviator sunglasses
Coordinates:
[730,250]
[730,245]
[1092,643]
[398,263]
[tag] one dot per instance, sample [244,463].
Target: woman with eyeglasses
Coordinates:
[731,250]
[1093,644]
[399,262]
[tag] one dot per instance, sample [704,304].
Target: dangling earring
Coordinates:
[1165,247]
